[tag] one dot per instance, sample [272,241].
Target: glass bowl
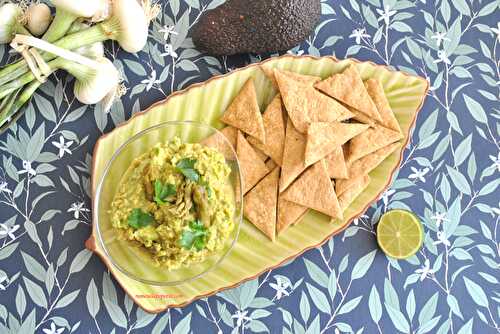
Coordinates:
[133,261]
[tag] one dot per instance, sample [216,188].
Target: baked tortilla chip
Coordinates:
[368,163]
[269,72]
[371,140]
[335,164]
[274,126]
[323,138]
[376,92]
[218,142]
[315,190]
[253,169]
[360,117]
[357,186]
[304,103]
[364,166]
[289,213]
[293,156]
[271,164]
[261,154]
[348,87]
[260,204]
[244,113]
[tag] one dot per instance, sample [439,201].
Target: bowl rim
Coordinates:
[238,216]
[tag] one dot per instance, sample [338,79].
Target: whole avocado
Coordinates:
[257,26]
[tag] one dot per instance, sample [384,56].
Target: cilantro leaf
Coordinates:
[163,192]
[194,236]
[139,219]
[186,167]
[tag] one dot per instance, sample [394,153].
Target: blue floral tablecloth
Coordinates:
[449,177]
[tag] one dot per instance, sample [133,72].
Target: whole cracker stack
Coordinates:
[312,148]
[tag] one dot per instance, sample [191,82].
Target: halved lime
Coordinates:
[399,234]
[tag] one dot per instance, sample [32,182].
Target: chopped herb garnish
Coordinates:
[186,167]
[194,236]
[163,192]
[139,219]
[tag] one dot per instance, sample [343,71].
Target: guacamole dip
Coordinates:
[175,202]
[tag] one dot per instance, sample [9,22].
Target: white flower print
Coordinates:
[358,34]
[496,162]
[169,51]
[439,218]
[496,30]
[418,174]
[63,146]
[441,239]
[151,81]
[425,270]
[53,329]
[27,169]
[442,58]
[9,230]
[167,31]
[4,189]
[439,37]
[386,195]
[385,14]
[241,317]
[281,287]
[2,280]
[356,220]
[77,209]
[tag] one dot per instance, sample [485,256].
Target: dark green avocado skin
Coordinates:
[256,26]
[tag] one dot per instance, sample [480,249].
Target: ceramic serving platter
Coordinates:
[253,253]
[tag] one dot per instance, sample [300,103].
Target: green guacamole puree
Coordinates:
[176,202]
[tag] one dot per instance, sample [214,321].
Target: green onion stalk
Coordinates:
[11,18]
[128,25]
[7,111]
[68,11]
[92,85]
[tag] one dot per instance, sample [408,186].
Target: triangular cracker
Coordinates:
[274,126]
[357,186]
[315,190]
[304,103]
[268,70]
[348,87]
[323,138]
[371,140]
[360,117]
[253,169]
[293,156]
[376,92]
[335,164]
[271,164]
[244,113]
[288,213]
[364,166]
[261,204]
[369,162]
[218,142]
[262,155]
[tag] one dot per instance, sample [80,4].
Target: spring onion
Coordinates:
[128,25]
[38,18]
[67,11]
[11,18]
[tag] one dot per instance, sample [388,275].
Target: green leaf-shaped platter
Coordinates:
[253,253]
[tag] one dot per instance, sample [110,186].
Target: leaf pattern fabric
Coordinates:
[449,177]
